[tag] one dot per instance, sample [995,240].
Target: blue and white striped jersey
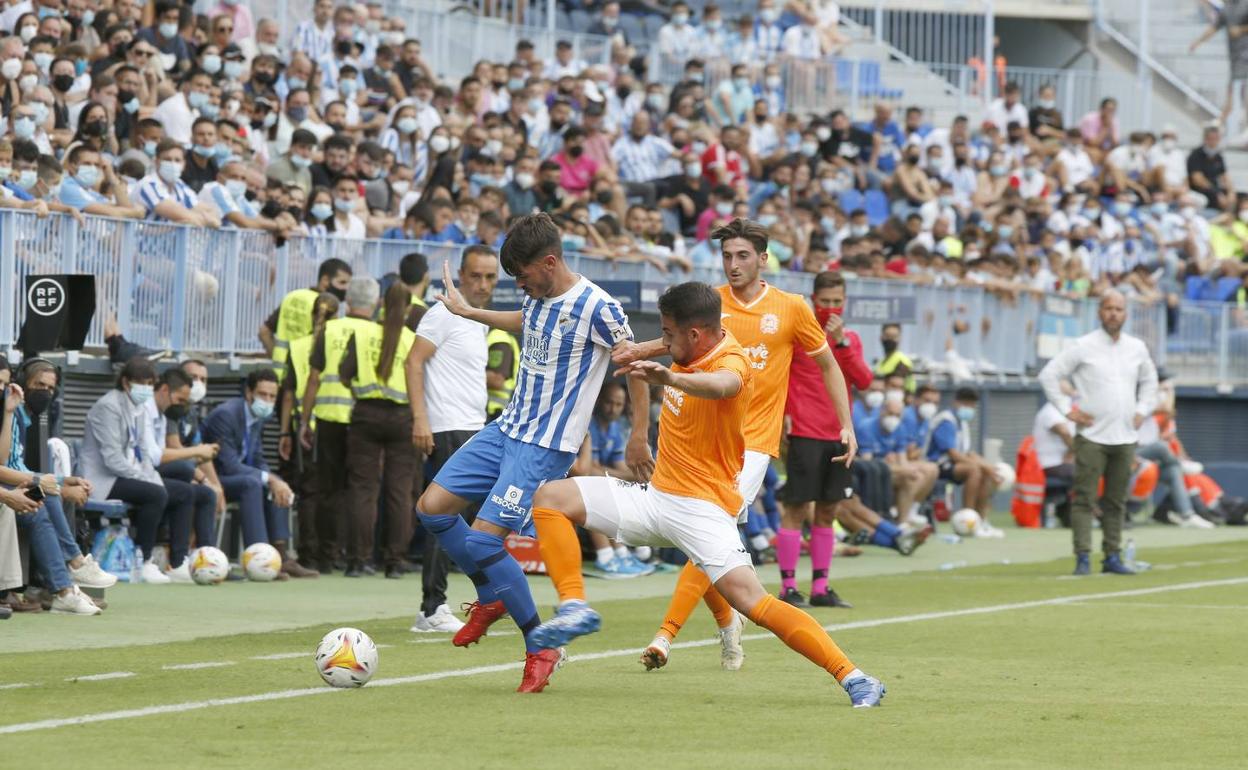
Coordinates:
[563,361]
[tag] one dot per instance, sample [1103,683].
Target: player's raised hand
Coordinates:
[651,371]
[625,353]
[450,295]
[850,441]
[638,458]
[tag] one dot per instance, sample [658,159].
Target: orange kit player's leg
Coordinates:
[692,585]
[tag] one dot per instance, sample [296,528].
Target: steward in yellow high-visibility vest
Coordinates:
[293,318]
[380,438]
[894,360]
[502,370]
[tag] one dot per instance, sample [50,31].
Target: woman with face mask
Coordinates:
[116,460]
[95,129]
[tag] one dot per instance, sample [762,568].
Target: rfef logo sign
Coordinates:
[45,297]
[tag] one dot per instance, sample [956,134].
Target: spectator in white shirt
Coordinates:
[802,41]
[1167,163]
[678,40]
[346,201]
[1116,386]
[178,112]
[315,37]
[1007,109]
[565,64]
[767,35]
[228,196]
[712,37]
[1073,166]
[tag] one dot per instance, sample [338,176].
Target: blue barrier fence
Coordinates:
[193,289]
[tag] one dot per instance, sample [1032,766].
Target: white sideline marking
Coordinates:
[100,677]
[1156,605]
[14,685]
[196,666]
[178,708]
[280,656]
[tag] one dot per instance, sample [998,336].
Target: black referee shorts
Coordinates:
[812,476]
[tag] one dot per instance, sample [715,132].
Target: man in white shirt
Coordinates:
[1073,166]
[447,386]
[1167,163]
[678,40]
[802,41]
[178,112]
[1116,387]
[1008,109]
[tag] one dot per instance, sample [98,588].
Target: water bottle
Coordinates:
[136,566]
[1128,553]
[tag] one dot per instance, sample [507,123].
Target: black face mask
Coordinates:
[343,48]
[120,49]
[760,119]
[556,125]
[499,83]
[622,92]
[295,212]
[575,152]
[263,77]
[339,127]
[96,128]
[177,411]
[124,96]
[38,401]
[959,162]
[603,197]
[341,294]
[890,346]
[63,83]
[548,187]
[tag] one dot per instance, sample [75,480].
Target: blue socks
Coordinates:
[452,534]
[507,580]
[886,534]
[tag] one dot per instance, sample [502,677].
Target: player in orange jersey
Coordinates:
[693,498]
[769,324]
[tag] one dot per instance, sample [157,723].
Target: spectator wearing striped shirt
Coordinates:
[165,197]
[85,170]
[639,154]
[316,36]
[768,36]
[228,196]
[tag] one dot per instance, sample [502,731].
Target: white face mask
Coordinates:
[894,396]
[890,422]
[198,391]
[873,398]
[927,410]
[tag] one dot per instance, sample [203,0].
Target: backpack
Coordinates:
[113,550]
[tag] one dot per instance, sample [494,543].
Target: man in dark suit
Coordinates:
[263,498]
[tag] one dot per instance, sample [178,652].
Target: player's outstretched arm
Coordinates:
[637,455]
[834,382]
[507,320]
[628,352]
[718,384]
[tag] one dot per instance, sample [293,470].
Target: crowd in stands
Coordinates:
[343,130]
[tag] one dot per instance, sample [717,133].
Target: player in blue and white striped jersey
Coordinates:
[568,326]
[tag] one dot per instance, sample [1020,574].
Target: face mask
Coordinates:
[237,188]
[680,19]
[344,205]
[296,83]
[129,102]
[1158,209]
[693,170]
[809,149]
[150,149]
[269,49]
[168,30]
[24,128]
[769,15]
[43,61]
[890,423]
[300,162]
[859,230]
[575,151]
[198,391]
[1168,144]
[439,144]
[28,82]
[261,409]
[28,33]
[1046,104]
[38,401]
[5,171]
[233,69]
[197,99]
[890,346]
[27,179]
[211,64]
[140,394]
[87,176]
[773,82]
[573,242]
[742,84]
[348,86]
[11,68]
[1005,231]
[270,120]
[654,100]
[927,410]
[1122,208]
[53,191]
[966,413]
[830,185]
[695,76]
[767,220]
[205,151]
[893,395]
[321,211]
[723,208]
[400,187]
[1188,212]
[177,411]
[524,180]
[1243,215]
[297,114]
[41,113]
[997,171]
[874,398]
[170,171]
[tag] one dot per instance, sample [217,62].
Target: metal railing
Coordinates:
[192,289]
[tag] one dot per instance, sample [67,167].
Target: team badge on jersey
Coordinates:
[769,323]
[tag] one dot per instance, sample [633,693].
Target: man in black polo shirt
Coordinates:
[1206,171]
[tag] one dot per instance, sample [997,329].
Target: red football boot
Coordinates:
[480,618]
[538,666]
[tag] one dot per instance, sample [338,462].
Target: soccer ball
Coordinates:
[1006,472]
[209,566]
[346,657]
[262,562]
[965,522]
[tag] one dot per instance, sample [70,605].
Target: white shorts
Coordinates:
[642,515]
[752,474]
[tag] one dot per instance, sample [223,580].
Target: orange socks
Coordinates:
[718,606]
[802,634]
[690,588]
[561,550]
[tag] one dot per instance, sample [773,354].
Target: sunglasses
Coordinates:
[225,29]
[144,54]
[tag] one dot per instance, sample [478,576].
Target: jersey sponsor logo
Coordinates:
[536,349]
[769,323]
[758,355]
[673,399]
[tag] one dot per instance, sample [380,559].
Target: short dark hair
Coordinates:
[192,362]
[966,394]
[303,137]
[479,249]
[692,304]
[531,237]
[137,368]
[332,267]
[829,279]
[413,268]
[753,232]
[891,324]
[167,144]
[339,142]
[257,376]
[175,379]
[926,388]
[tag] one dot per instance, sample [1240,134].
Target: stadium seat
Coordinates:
[1195,286]
[581,20]
[1226,288]
[563,20]
[634,28]
[851,200]
[876,204]
[112,510]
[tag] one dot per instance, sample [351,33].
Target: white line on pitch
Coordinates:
[100,677]
[280,656]
[1156,605]
[178,708]
[15,686]
[197,666]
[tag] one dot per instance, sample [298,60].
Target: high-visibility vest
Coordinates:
[333,397]
[300,361]
[500,397]
[1241,298]
[368,342]
[381,310]
[1028,501]
[294,320]
[890,364]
